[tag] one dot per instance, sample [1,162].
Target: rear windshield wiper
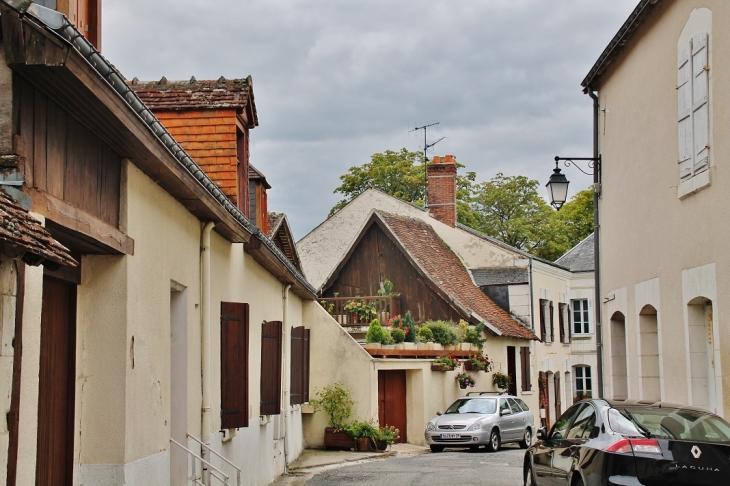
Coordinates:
[644,431]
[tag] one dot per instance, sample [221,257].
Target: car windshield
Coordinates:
[473,405]
[670,423]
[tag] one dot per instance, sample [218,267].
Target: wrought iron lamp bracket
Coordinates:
[594,164]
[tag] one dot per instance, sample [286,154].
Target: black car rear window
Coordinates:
[670,423]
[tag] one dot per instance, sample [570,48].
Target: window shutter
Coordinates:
[234,365]
[271,338]
[561,323]
[296,376]
[525,368]
[590,315]
[684,117]
[552,320]
[542,320]
[305,386]
[558,395]
[700,106]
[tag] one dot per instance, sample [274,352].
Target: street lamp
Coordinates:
[557,187]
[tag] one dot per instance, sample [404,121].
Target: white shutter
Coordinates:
[700,106]
[684,115]
[590,316]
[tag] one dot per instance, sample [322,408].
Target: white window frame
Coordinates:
[582,380]
[586,324]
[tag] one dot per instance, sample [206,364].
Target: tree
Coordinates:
[576,217]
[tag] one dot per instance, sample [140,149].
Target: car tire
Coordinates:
[529,477]
[494,441]
[526,439]
[435,448]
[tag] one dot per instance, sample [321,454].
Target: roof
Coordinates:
[255,174]
[447,272]
[615,47]
[23,237]
[281,234]
[500,276]
[580,258]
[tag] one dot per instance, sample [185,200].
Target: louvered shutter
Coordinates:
[307,343]
[684,116]
[558,395]
[525,368]
[542,320]
[561,323]
[296,376]
[234,365]
[552,320]
[271,339]
[700,105]
[590,315]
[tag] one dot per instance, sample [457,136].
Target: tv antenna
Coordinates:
[426,146]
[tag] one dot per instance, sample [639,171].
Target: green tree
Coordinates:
[576,217]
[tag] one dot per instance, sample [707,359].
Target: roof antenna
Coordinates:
[426,146]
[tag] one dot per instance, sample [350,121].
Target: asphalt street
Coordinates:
[454,466]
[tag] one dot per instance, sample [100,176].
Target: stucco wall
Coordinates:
[7,351]
[648,232]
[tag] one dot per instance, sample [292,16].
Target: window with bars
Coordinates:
[581,316]
[583,383]
[299,376]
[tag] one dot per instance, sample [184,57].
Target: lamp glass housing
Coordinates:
[557,188]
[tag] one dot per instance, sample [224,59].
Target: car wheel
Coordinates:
[529,476]
[437,448]
[527,439]
[494,441]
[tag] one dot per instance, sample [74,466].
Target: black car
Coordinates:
[625,442]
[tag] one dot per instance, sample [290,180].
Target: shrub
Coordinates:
[473,335]
[388,434]
[336,400]
[443,333]
[448,360]
[409,326]
[360,430]
[398,335]
[425,335]
[387,337]
[376,333]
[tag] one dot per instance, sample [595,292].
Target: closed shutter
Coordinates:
[542,320]
[558,396]
[684,116]
[234,365]
[700,106]
[552,320]
[296,375]
[561,323]
[590,315]
[305,386]
[525,369]
[271,339]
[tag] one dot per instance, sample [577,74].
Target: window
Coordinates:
[693,107]
[583,424]
[271,339]
[234,365]
[583,384]
[522,404]
[564,323]
[503,406]
[561,425]
[513,406]
[299,375]
[525,368]
[581,316]
[547,330]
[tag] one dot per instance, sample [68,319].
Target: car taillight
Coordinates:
[642,446]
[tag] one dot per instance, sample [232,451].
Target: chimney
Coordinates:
[442,189]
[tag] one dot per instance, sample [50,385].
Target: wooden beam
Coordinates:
[81,223]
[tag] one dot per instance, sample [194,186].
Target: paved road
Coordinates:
[457,466]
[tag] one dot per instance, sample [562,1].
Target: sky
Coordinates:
[336,81]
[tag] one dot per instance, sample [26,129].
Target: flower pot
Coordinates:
[372,345]
[469,366]
[422,346]
[338,440]
[363,444]
[431,346]
[388,346]
[465,346]
[400,346]
[380,445]
[441,367]
[409,346]
[450,347]
[462,386]
[437,346]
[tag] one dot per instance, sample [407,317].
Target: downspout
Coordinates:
[285,375]
[532,300]
[205,331]
[596,238]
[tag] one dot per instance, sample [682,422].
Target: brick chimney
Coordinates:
[442,189]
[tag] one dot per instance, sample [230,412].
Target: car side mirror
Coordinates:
[440,412]
[506,412]
[541,433]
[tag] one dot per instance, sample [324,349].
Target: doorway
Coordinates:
[392,401]
[619,367]
[55,447]
[649,354]
[178,383]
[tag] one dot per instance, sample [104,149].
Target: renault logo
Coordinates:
[696,452]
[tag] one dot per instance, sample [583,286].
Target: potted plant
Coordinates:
[360,311]
[466,380]
[446,362]
[335,400]
[386,436]
[478,362]
[364,434]
[375,335]
[425,336]
[501,380]
[398,336]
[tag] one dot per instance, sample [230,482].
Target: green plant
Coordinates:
[361,430]
[362,310]
[328,307]
[481,362]
[474,335]
[398,335]
[466,379]
[387,337]
[501,380]
[443,332]
[386,289]
[335,400]
[425,335]
[376,333]
[448,360]
[409,326]
[388,434]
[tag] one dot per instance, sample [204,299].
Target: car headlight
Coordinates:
[475,426]
[431,426]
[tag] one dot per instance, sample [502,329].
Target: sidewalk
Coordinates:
[313,461]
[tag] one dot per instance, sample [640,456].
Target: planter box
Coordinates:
[400,346]
[469,366]
[450,347]
[465,346]
[338,440]
[388,346]
[422,346]
[373,345]
[440,367]
[437,346]
[410,346]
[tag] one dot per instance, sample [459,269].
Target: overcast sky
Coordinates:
[336,81]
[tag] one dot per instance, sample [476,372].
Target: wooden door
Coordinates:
[55,448]
[392,400]
[512,370]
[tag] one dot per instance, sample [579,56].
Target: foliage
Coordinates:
[443,332]
[582,396]
[398,335]
[501,380]
[363,310]
[409,326]
[361,430]
[481,362]
[425,335]
[387,337]
[448,360]
[466,379]
[474,335]
[328,307]
[386,289]
[376,333]
[575,218]
[335,400]
[388,434]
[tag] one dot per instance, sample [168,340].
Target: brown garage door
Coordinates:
[392,400]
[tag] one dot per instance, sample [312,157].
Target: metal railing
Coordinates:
[207,469]
[382,308]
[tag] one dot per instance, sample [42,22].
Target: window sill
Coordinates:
[527,393]
[694,184]
[582,336]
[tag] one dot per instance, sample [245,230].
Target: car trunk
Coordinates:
[685,462]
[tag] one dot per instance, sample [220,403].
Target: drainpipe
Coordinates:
[596,238]
[205,331]
[285,375]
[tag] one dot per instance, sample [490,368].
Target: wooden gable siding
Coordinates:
[209,137]
[65,159]
[377,258]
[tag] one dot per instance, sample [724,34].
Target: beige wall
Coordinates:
[648,233]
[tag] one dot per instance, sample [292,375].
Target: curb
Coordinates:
[381,455]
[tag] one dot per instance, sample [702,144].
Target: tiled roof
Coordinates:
[580,258]
[499,276]
[255,174]
[22,236]
[445,269]
[193,94]
[280,233]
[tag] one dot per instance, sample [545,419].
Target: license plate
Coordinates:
[451,436]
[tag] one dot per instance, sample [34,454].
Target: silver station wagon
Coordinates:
[481,418]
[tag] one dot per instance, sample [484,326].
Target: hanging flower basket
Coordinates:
[441,367]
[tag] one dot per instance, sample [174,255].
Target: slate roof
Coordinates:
[281,234]
[580,258]
[22,236]
[193,94]
[446,270]
[500,276]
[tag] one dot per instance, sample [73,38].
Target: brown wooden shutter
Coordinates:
[296,376]
[558,400]
[552,323]
[542,320]
[305,365]
[271,340]
[561,322]
[234,365]
[525,368]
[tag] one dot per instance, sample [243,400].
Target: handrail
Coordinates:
[384,307]
[214,471]
[209,449]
